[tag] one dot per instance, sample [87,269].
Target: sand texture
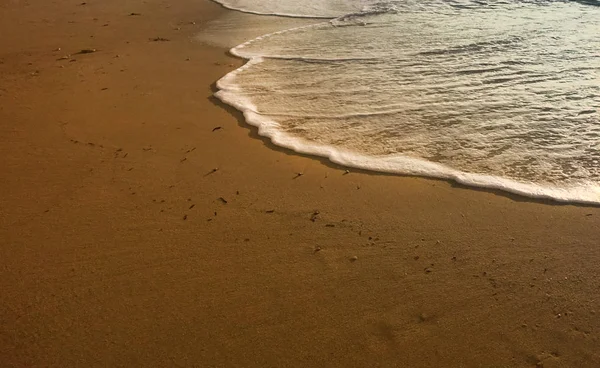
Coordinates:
[134,234]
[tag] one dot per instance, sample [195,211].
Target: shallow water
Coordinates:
[494,94]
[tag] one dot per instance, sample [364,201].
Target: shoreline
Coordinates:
[246,11]
[266,140]
[121,245]
[401,165]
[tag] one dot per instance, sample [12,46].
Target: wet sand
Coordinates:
[121,245]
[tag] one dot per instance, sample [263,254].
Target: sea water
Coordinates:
[497,94]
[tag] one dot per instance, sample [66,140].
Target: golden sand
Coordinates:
[122,246]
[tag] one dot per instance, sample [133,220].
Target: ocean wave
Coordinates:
[404,165]
[269,123]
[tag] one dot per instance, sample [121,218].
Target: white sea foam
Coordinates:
[306,9]
[531,148]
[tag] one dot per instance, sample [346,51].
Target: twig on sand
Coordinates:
[298,175]
[217,128]
[212,171]
[86,51]
[159,39]
[223,200]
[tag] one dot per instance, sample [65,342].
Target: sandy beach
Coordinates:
[144,224]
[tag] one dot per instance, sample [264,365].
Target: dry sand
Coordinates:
[116,251]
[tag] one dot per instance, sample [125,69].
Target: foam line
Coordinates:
[288,15]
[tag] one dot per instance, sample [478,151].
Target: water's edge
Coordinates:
[398,164]
[248,11]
